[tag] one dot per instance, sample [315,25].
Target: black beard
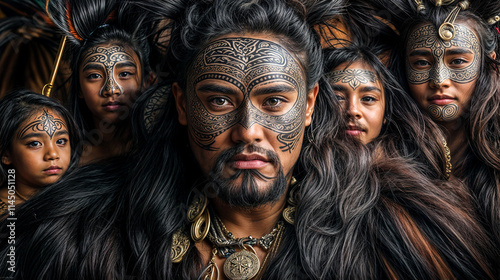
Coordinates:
[247,195]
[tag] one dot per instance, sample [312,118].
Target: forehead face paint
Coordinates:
[427,37]
[246,63]
[45,122]
[353,77]
[107,58]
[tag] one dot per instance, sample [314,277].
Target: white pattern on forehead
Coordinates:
[109,57]
[426,36]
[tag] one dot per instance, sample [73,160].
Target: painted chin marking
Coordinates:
[444,113]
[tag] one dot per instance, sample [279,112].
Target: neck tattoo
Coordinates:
[246,63]
[353,77]
[45,122]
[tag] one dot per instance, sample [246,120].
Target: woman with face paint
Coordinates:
[450,57]
[37,146]
[110,68]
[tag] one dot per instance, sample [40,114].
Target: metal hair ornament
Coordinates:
[493,20]
[447,30]
[442,2]
[420,6]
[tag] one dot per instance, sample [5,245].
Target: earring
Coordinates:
[199,217]
[293,199]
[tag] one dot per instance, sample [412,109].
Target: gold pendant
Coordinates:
[212,271]
[242,265]
[180,245]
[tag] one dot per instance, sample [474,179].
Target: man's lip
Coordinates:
[252,161]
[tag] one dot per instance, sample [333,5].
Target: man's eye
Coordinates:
[273,102]
[219,101]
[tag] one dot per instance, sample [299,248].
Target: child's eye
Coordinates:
[339,97]
[62,141]
[125,74]
[458,61]
[368,99]
[94,76]
[421,63]
[34,144]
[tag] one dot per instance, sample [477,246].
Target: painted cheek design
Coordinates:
[353,77]
[109,57]
[427,37]
[246,63]
[45,122]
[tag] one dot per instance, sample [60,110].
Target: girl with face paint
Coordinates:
[110,68]
[449,55]
[37,146]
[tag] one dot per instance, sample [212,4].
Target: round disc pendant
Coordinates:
[241,265]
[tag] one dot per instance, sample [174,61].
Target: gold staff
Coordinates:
[47,88]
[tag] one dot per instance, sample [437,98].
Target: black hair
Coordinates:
[130,217]
[407,132]
[480,167]
[28,48]
[91,23]
[16,107]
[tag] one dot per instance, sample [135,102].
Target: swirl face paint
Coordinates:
[40,151]
[246,64]
[442,74]
[246,106]
[110,78]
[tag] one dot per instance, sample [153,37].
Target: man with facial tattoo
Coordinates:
[242,177]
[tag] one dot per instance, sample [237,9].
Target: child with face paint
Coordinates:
[110,68]
[449,53]
[38,145]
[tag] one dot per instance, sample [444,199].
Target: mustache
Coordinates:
[247,194]
[226,156]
